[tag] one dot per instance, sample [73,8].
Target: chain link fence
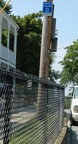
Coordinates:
[31,109]
[67,103]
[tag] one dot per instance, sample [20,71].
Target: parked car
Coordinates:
[74,105]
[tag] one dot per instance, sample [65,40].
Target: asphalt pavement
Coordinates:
[73,132]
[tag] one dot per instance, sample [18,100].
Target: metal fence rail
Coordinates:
[31,109]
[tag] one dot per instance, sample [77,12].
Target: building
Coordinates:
[8,40]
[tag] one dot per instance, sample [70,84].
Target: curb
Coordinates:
[64,136]
[67,136]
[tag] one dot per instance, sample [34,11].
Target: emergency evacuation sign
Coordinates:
[47,8]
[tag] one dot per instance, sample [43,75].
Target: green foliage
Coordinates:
[29,42]
[67,103]
[70,64]
[8,7]
[53,75]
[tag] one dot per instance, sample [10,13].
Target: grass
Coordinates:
[35,131]
[30,133]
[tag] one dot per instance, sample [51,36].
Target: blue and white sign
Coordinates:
[47,8]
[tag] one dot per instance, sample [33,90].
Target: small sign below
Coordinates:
[47,8]
[29,84]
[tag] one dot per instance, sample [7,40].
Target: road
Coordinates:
[74,134]
[74,130]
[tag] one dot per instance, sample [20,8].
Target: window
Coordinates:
[4,32]
[76,92]
[11,39]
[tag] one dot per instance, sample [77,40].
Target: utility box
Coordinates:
[53,27]
[53,44]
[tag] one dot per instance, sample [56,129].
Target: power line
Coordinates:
[60,56]
[4,6]
[61,48]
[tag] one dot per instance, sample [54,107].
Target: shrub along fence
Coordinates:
[31,108]
[67,103]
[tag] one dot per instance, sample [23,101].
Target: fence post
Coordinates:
[7,111]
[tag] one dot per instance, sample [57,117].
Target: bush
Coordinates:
[67,103]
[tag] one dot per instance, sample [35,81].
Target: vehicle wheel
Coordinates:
[72,120]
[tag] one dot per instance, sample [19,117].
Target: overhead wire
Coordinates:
[4,6]
[60,47]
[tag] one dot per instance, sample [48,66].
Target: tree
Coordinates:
[69,73]
[8,7]
[29,42]
[53,75]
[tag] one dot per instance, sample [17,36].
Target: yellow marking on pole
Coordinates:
[4,6]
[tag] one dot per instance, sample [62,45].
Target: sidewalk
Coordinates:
[63,134]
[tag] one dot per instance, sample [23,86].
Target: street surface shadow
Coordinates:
[74,137]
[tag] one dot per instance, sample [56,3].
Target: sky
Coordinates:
[65,12]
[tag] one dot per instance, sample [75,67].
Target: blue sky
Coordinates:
[65,12]
[67,23]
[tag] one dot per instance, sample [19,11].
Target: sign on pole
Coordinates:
[47,8]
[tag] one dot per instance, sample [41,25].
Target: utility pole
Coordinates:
[44,65]
[45,46]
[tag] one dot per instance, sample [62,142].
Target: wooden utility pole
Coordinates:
[44,66]
[45,46]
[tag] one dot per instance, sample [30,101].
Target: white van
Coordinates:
[74,106]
